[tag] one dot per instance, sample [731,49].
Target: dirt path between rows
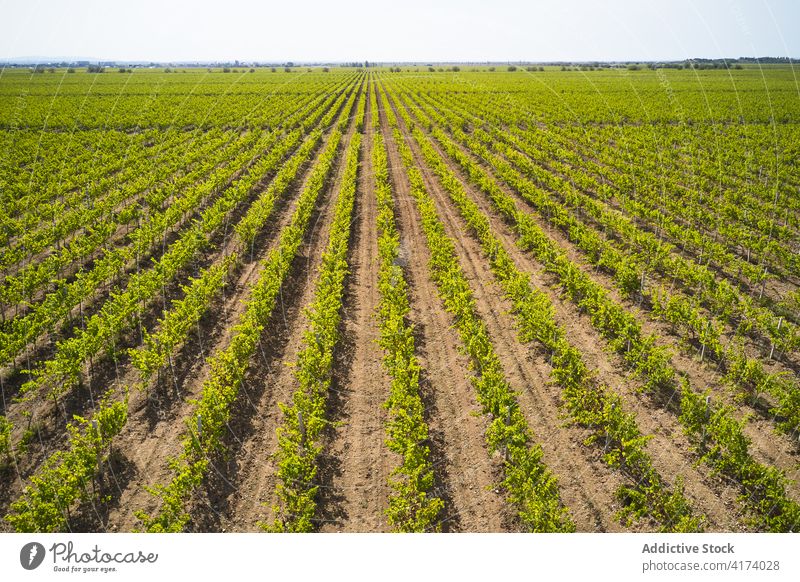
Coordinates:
[768,447]
[466,475]
[668,447]
[152,441]
[354,493]
[248,494]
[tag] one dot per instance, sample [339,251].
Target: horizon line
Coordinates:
[28,60]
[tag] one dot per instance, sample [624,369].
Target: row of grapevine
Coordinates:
[531,486]
[723,446]
[588,403]
[747,374]
[412,505]
[229,365]
[304,419]
[157,348]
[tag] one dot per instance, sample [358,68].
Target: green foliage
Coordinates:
[412,506]
[530,484]
[304,419]
[228,366]
[69,476]
[764,490]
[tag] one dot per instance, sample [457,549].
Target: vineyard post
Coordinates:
[763,283]
[772,350]
[172,372]
[703,342]
[608,433]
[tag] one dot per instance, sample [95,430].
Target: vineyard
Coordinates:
[400,300]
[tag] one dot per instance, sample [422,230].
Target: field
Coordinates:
[371,300]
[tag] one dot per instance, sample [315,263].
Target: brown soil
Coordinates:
[767,447]
[466,476]
[590,486]
[251,494]
[355,492]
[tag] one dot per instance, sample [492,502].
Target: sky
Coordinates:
[408,30]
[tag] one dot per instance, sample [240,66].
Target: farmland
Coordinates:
[366,300]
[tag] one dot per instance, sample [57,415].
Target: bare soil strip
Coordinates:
[768,446]
[669,448]
[466,476]
[357,463]
[245,494]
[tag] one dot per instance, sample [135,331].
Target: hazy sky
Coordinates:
[410,30]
